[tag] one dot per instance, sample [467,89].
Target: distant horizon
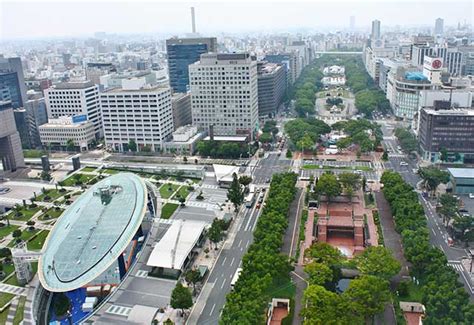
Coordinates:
[36,20]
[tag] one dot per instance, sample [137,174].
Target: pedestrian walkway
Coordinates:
[11,289]
[12,311]
[457,266]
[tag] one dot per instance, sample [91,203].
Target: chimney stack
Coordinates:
[193,20]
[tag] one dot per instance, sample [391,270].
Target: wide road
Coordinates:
[211,302]
[270,165]
[438,233]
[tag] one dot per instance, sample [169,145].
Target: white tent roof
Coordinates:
[224,172]
[171,251]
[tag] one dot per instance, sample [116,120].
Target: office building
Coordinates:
[75,98]
[224,94]
[439,26]
[11,154]
[288,60]
[444,128]
[137,111]
[418,53]
[404,85]
[12,78]
[58,132]
[271,87]
[184,141]
[181,103]
[181,53]
[462,180]
[375,34]
[37,115]
[452,59]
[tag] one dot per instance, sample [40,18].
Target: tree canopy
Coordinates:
[299,128]
[181,297]
[328,185]
[378,261]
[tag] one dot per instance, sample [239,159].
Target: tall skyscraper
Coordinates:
[75,98]
[224,94]
[193,20]
[352,23]
[181,53]
[11,155]
[375,30]
[439,26]
[12,78]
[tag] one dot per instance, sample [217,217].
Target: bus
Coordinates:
[249,200]
[235,278]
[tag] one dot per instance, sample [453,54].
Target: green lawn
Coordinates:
[88,169]
[167,210]
[8,269]
[165,192]
[19,311]
[13,281]
[5,231]
[53,214]
[25,235]
[38,242]
[72,180]
[3,315]
[53,194]
[26,214]
[111,171]
[182,192]
[4,298]
[31,153]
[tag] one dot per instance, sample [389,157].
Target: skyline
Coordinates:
[213,17]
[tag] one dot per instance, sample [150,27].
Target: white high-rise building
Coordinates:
[137,111]
[73,99]
[224,94]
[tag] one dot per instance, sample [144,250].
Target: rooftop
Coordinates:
[93,232]
[75,85]
[461,172]
[173,249]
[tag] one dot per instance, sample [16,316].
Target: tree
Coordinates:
[443,154]
[45,175]
[235,193]
[367,296]
[319,273]
[378,261]
[192,276]
[449,207]
[5,252]
[328,185]
[305,143]
[289,154]
[61,304]
[344,143]
[245,180]
[181,297]
[132,145]
[323,307]
[266,137]
[325,254]
[3,217]
[216,231]
[385,155]
[432,177]
[350,182]
[16,233]
[70,146]
[464,225]
[185,159]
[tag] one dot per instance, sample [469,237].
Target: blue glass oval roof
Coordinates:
[93,232]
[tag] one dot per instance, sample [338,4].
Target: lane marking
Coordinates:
[232,262]
[225,258]
[240,242]
[212,309]
[223,282]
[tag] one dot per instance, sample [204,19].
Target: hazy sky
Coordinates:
[37,18]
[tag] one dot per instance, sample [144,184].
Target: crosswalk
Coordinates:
[119,310]
[456,266]
[7,288]
[142,274]
[210,186]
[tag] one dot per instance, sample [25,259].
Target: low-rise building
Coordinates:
[184,141]
[57,133]
[462,180]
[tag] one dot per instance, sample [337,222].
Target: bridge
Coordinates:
[337,53]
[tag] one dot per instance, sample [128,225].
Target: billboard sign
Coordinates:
[79,118]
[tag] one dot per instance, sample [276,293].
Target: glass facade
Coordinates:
[180,56]
[10,81]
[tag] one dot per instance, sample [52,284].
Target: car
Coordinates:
[4,190]
[471,195]
[257,206]
[267,180]
[403,163]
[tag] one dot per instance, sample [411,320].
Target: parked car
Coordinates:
[403,163]
[471,195]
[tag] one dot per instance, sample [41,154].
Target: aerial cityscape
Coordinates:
[253,162]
